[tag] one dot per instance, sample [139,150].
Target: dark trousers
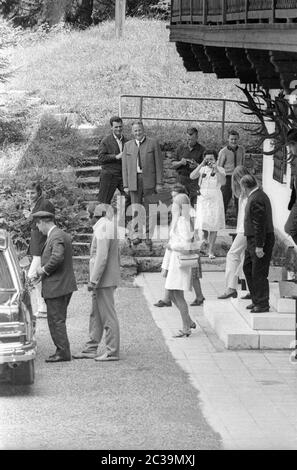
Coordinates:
[291,224]
[227,192]
[108,184]
[145,217]
[256,270]
[191,187]
[56,318]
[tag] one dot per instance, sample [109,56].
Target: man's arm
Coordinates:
[103,153]
[221,158]
[125,168]
[56,257]
[102,250]
[257,216]
[158,163]
[178,160]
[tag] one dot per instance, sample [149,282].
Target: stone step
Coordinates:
[153,263]
[88,171]
[83,237]
[280,304]
[80,248]
[236,333]
[91,194]
[88,130]
[271,320]
[91,182]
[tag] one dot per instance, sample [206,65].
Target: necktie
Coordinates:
[138,157]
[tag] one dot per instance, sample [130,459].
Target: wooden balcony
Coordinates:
[254,40]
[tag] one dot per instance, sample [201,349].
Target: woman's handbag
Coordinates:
[189,260]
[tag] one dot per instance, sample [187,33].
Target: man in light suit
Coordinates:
[142,167]
[104,278]
[259,232]
[58,281]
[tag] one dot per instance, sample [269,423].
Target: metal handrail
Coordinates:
[221,121]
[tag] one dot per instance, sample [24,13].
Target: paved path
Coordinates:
[249,397]
[143,401]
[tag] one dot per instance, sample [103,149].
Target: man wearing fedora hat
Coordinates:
[291,224]
[104,278]
[58,281]
[36,202]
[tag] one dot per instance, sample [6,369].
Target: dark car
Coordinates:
[17,323]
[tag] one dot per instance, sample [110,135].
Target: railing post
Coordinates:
[204,13]
[191,10]
[223,120]
[247,4]
[272,19]
[120,15]
[224,7]
[120,106]
[180,10]
[140,107]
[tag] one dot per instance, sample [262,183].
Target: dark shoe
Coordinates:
[260,309]
[106,357]
[246,296]
[182,334]
[193,325]
[250,306]
[57,358]
[197,302]
[227,296]
[83,355]
[161,303]
[136,241]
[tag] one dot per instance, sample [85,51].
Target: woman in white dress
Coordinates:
[179,279]
[210,215]
[235,255]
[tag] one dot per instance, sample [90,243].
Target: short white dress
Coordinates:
[210,214]
[180,239]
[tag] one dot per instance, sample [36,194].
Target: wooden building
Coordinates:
[254,41]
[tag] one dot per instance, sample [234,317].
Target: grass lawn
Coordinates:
[86,71]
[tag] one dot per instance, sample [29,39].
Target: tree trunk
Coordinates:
[54,11]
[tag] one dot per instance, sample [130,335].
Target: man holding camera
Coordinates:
[188,156]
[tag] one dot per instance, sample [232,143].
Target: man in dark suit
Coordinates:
[36,202]
[291,224]
[142,167]
[110,159]
[258,229]
[58,281]
[188,157]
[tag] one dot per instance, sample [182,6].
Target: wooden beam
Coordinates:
[120,16]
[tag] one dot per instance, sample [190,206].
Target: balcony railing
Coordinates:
[233,11]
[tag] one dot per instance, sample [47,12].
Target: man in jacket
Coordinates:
[142,168]
[291,224]
[36,202]
[104,278]
[58,281]
[229,158]
[188,156]
[259,232]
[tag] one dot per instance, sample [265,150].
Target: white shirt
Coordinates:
[119,142]
[138,142]
[50,230]
[253,191]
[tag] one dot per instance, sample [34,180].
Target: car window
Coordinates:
[5,276]
[15,258]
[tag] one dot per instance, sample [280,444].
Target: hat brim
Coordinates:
[43,214]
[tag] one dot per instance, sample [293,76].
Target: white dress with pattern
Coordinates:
[210,214]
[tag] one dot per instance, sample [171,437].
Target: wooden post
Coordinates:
[120,16]
[224,11]
[204,12]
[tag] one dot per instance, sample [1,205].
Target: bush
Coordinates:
[59,187]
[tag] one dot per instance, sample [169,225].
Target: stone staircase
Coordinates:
[238,328]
